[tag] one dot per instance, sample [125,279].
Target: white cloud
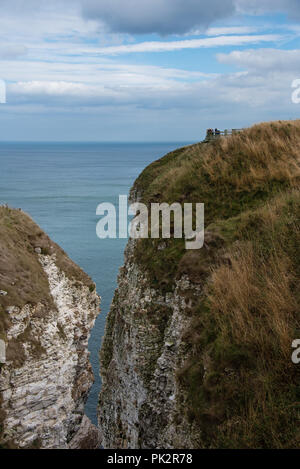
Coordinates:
[107,73]
[264,60]
[10,51]
[220,31]
[160,46]
[263,85]
[53,88]
[65,70]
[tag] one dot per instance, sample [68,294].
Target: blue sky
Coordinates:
[145,70]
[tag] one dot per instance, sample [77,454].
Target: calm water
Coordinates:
[60,186]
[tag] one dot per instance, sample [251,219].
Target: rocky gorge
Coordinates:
[197,346]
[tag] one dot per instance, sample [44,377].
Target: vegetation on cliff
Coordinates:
[239,385]
[22,278]
[47,307]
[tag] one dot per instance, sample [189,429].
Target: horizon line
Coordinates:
[107,142]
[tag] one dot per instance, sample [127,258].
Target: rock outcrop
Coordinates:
[142,349]
[46,318]
[197,347]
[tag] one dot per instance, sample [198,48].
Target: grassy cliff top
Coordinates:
[24,281]
[245,320]
[21,274]
[230,176]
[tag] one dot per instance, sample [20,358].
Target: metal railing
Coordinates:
[214,134]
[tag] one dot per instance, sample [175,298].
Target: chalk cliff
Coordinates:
[197,348]
[48,307]
[143,348]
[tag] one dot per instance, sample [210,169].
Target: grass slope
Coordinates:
[25,282]
[241,387]
[21,274]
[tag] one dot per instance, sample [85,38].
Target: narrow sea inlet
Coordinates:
[60,186]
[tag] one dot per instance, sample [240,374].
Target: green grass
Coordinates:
[229,176]
[244,321]
[21,274]
[24,280]
[261,392]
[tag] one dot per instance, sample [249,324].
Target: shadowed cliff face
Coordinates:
[48,307]
[197,349]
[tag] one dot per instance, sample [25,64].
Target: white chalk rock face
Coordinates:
[44,398]
[46,375]
[139,403]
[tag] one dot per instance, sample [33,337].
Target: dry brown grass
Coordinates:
[244,168]
[250,319]
[248,313]
[263,152]
[256,297]
[21,274]
[230,175]
[20,271]
[253,303]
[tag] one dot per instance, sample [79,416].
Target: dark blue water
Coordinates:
[60,186]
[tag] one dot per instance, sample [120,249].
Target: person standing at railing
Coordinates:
[209,134]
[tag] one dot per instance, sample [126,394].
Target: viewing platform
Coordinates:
[213,134]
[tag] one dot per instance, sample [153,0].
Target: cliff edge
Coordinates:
[197,349]
[48,307]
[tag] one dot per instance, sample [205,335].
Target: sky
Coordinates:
[145,70]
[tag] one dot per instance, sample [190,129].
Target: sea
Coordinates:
[60,185]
